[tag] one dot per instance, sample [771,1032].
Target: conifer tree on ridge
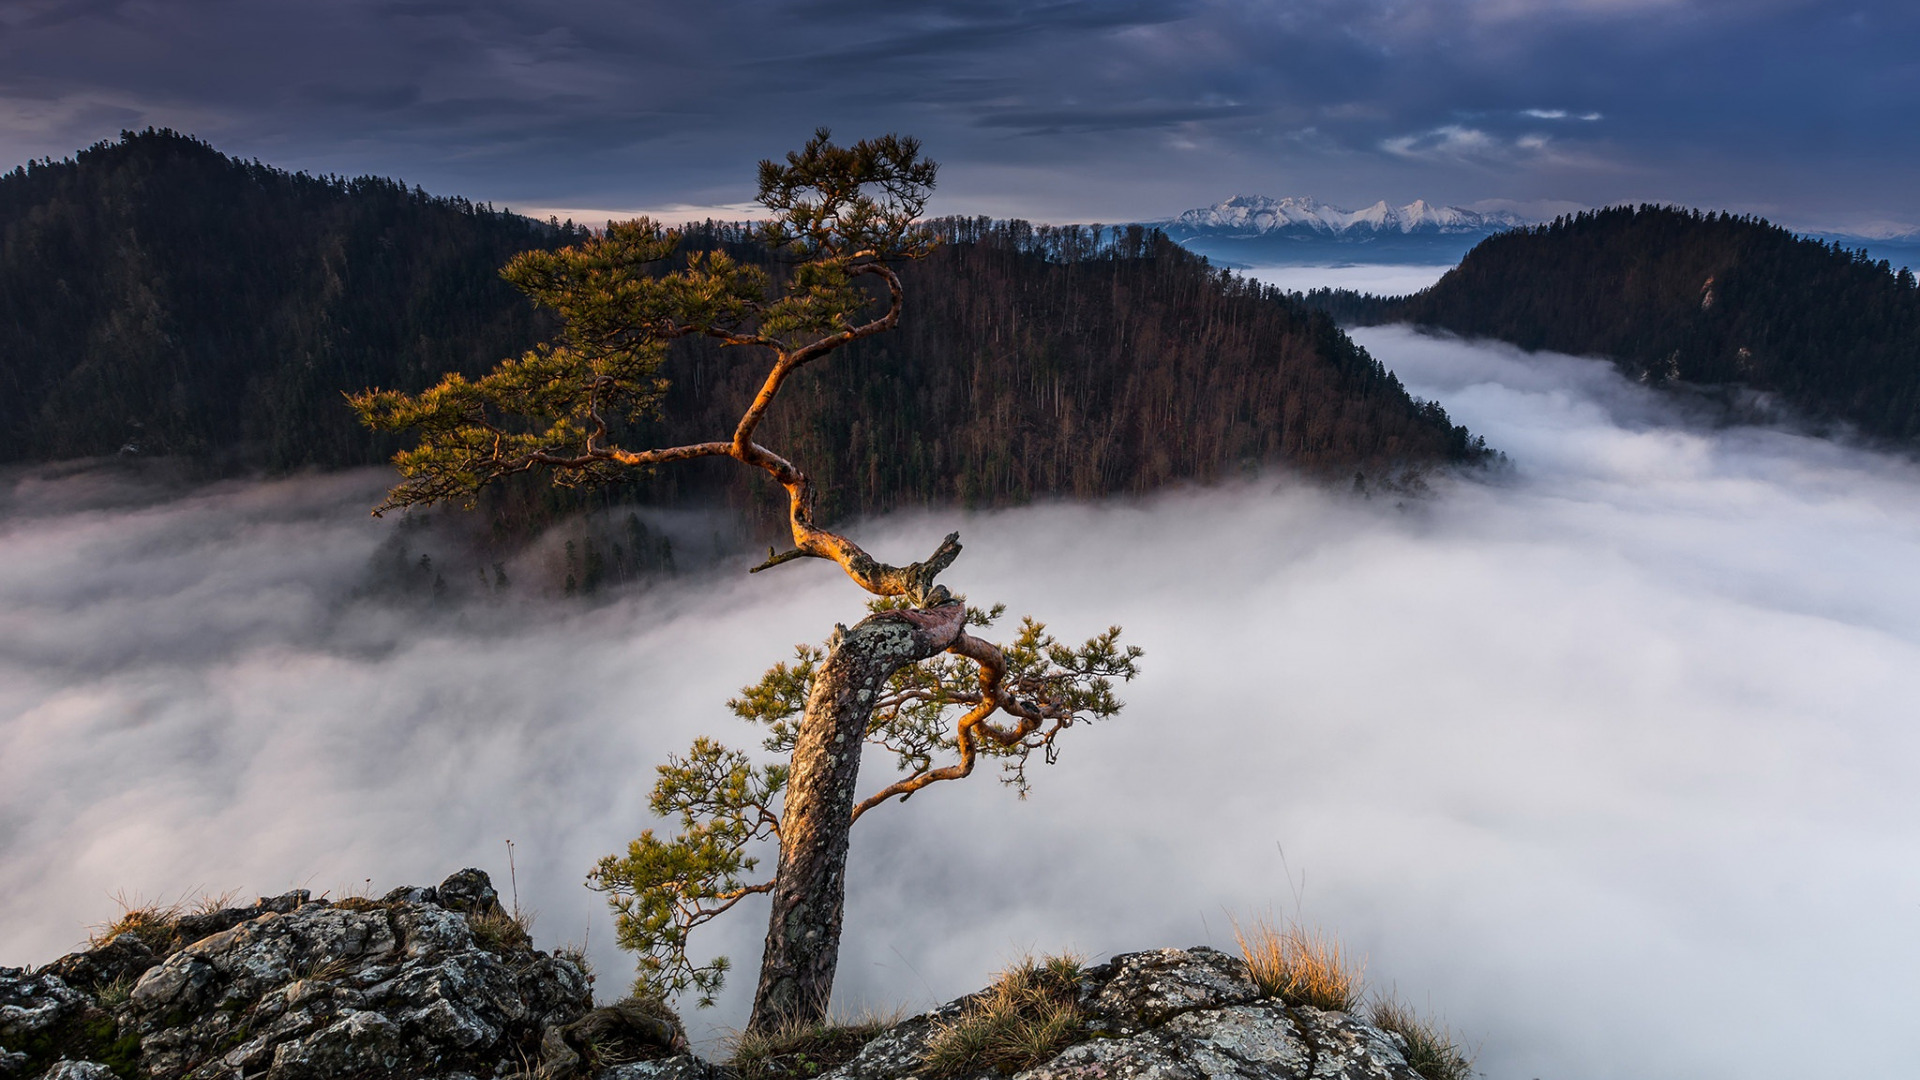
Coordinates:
[910,677]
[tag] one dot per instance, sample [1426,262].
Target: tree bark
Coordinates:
[809,892]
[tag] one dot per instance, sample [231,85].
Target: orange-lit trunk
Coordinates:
[809,893]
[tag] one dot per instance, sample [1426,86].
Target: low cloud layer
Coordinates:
[1605,756]
[1382,279]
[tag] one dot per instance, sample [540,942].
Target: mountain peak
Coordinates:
[1259,215]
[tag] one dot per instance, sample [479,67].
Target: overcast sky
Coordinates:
[1109,110]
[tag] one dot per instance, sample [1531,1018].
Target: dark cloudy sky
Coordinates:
[1800,109]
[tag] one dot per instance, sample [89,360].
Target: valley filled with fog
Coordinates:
[1603,755]
[1381,279]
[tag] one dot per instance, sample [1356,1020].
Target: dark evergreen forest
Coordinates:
[1035,360]
[1684,296]
[159,298]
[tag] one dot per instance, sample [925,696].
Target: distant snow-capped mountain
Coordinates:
[1248,216]
[1253,230]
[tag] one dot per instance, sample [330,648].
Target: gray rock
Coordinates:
[126,957]
[192,928]
[551,986]
[1172,1014]
[402,989]
[431,931]
[46,1024]
[1147,988]
[33,1003]
[359,1044]
[1258,1040]
[469,890]
[242,964]
[1347,1048]
[79,1070]
[185,981]
[899,1050]
[1146,1056]
[678,1067]
[298,989]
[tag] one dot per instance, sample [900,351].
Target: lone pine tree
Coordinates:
[910,677]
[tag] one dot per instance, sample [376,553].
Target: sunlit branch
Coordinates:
[993,698]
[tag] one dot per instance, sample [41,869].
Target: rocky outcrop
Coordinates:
[1172,1014]
[1192,1014]
[424,982]
[439,983]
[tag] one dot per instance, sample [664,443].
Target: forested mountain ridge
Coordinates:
[1035,360]
[159,297]
[1700,298]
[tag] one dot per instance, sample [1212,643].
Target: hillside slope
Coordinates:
[158,295]
[1037,361]
[159,298]
[1676,295]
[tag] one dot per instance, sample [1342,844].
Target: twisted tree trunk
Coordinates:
[809,893]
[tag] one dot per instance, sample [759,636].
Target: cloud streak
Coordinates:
[589,103]
[1604,756]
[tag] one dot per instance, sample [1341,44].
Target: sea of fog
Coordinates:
[1382,279]
[1606,757]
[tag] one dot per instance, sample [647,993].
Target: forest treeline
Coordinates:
[1688,296]
[1036,360]
[160,298]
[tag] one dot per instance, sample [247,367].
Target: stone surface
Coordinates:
[1245,1040]
[123,959]
[403,988]
[33,1003]
[897,1051]
[80,1070]
[469,890]
[677,1067]
[293,988]
[1146,1056]
[1171,1014]
[1348,1049]
[1147,988]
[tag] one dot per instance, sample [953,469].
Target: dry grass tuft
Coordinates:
[207,905]
[1300,966]
[323,968]
[1030,1013]
[154,924]
[499,932]
[1430,1049]
[799,1051]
